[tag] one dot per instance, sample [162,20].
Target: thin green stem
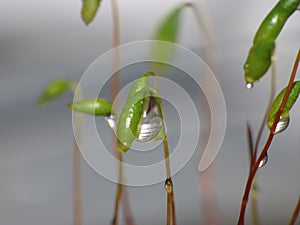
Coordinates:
[241,220]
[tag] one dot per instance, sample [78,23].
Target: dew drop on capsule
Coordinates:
[249,85]
[282,124]
[169,185]
[111,121]
[263,161]
[152,123]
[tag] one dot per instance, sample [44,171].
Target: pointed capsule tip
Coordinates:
[41,102]
[70,106]
[86,23]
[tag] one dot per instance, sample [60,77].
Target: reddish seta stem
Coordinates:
[296,213]
[241,220]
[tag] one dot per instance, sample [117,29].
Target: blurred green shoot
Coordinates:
[54,90]
[96,107]
[89,10]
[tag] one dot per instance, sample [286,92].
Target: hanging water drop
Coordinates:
[152,123]
[263,161]
[249,85]
[169,185]
[282,124]
[151,126]
[111,121]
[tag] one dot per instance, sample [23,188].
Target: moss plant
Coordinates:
[259,59]
[52,91]
[130,121]
[129,127]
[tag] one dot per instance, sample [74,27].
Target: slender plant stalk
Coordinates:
[206,180]
[115,83]
[296,213]
[168,222]
[77,192]
[254,208]
[254,191]
[119,189]
[173,208]
[241,220]
[77,196]
[171,213]
[169,186]
[250,143]
[208,35]
[271,98]
[115,86]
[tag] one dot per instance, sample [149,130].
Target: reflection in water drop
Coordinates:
[169,185]
[152,123]
[282,124]
[249,85]
[111,121]
[263,161]
[151,126]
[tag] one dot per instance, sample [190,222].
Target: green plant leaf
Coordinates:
[168,28]
[289,104]
[167,31]
[54,90]
[96,106]
[89,10]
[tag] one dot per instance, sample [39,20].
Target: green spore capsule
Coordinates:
[54,90]
[97,107]
[132,113]
[89,10]
[260,54]
[285,115]
[273,23]
[258,61]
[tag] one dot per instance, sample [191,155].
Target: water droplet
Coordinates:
[282,124]
[151,125]
[249,85]
[111,121]
[169,185]
[263,161]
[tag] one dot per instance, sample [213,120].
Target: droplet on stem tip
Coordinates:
[169,185]
[282,124]
[249,85]
[263,161]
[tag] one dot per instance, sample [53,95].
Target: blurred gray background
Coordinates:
[43,40]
